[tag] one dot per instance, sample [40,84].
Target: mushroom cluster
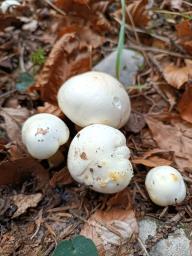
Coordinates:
[98,156]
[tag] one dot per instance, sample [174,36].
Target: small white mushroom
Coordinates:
[98,157]
[165,186]
[94,98]
[43,134]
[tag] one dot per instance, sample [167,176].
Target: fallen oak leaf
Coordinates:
[176,76]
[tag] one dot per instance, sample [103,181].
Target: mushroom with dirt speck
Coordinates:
[165,186]
[98,170]
[43,134]
[94,98]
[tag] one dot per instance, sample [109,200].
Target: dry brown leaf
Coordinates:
[153,158]
[61,178]
[12,120]
[175,136]
[121,200]
[170,93]
[138,12]
[184,33]
[23,202]
[111,228]
[7,20]
[68,57]
[84,33]
[14,172]
[177,76]
[50,109]
[185,105]
[152,161]
[82,8]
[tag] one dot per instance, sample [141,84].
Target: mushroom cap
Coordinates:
[165,186]
[43,134]
[94,97]
[98,157]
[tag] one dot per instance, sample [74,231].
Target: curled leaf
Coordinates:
[177,76]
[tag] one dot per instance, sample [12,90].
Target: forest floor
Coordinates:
[42,44]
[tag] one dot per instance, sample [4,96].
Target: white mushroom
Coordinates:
[43,134]
[165,186]
[94,97]
[98,157]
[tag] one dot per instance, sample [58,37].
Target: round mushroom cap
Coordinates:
[94,97]
[98,157]
[165,186]
[43,134]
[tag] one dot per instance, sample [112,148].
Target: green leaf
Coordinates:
[38,57]
[79,246]
[24,81]
[121,40]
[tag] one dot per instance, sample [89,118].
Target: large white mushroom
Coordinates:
[98,157]
[94,97]
[165,186]
[43,134]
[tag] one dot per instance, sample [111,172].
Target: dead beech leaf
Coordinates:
[82,1]
[23,202]
[184,29]
[68,57]
[121,200]
[185,105]
[175,137]
[176,76]
[153,158]
[12,120]
[111,229]
[50,109]
[14,172]
[84,33]
[138,12]
[61,178]
[152,161]
[184,33]
[7,20]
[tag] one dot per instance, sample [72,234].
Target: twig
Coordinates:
[163,212]
[55,8]
[21,59]
[7,94]
[143,246]
[187,3]
[158,50]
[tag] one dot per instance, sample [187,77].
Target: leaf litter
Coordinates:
[74,36]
